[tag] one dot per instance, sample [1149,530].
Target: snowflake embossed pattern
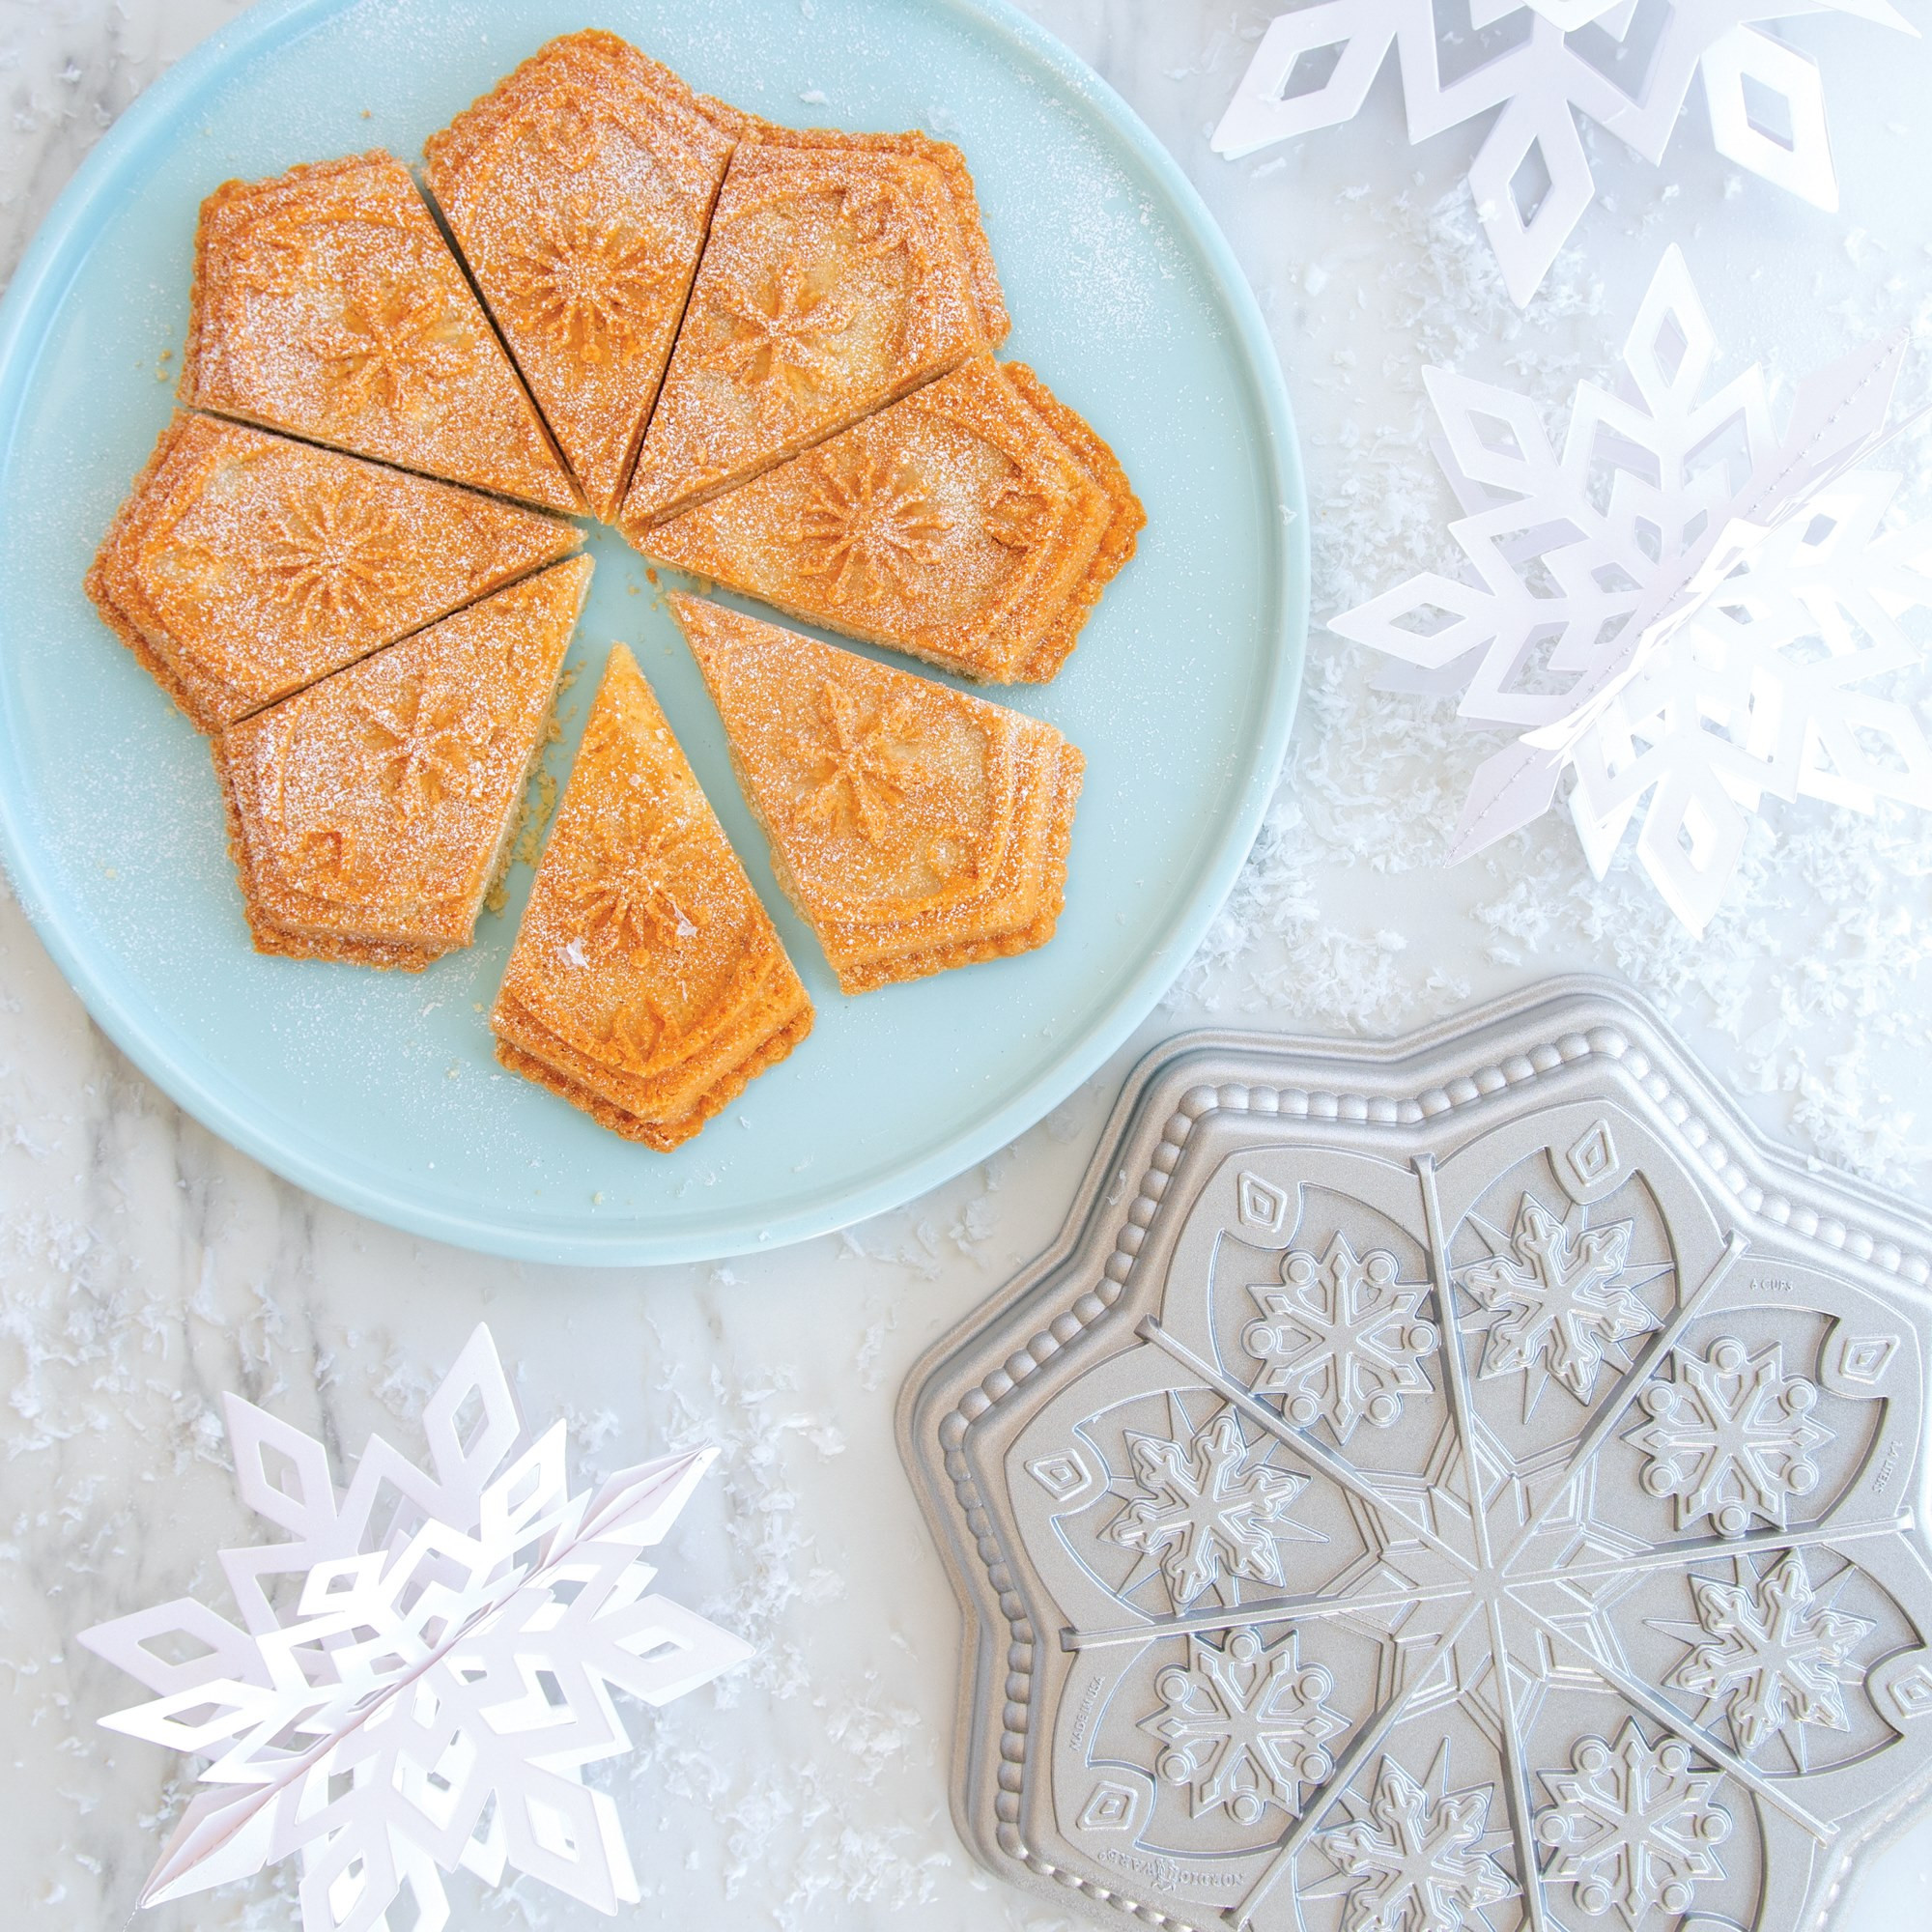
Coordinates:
[1680,609]
[1615,1611]
[429,1694]
[1548,65]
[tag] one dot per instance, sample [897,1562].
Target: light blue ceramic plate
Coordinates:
[379,1090]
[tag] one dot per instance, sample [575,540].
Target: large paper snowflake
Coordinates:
[1685,611]
[427,1693]
[1545,64]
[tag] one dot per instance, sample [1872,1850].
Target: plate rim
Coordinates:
[63,240]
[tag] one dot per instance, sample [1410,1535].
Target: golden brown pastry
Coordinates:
[327,302]
[370,813]
[647,985]
[580,190]
[245,566]
[912,827]
[974,524]
[841,271]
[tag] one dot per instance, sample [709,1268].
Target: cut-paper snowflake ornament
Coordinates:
[425,1690]
[1685,611]
[1546,65]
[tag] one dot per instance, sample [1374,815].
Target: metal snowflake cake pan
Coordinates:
[1470,1482]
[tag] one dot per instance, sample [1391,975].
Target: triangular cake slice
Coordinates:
[647,984]
[974,524]
[370,813]
[914,827]
[841,271]
[245,566]
[327,302]
[579,191]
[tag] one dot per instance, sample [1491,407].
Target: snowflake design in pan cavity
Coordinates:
[1341,1338]
[1633,1826]
[1561,1297]
[1417,1857]
[1557,61]
[1681,612]
[1207,1509]
[1244,1726]
[1731,1437]
[1768,1654]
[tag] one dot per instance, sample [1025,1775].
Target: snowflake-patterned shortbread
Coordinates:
[429,1695]
[1731,1437]
[1341,1339]
[1561,1299]
[1682,612]
[1632,1826]
[1208,1510]
[1771,1656]
[1244,1726]
[1417,1861]
[1548,65]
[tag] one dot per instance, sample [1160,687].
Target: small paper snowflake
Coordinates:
[430,1695]
[1685,611]
[1545,64]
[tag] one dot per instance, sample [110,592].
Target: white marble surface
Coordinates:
[145,1268]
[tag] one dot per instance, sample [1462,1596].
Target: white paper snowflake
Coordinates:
[426,1687]
[1545,64]
[1683,610]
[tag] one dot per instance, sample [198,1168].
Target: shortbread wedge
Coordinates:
[327,303]
[974,524]
[370,813]
[245,566]
[647,985]
[841,271]
[580,190]
[912,827]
